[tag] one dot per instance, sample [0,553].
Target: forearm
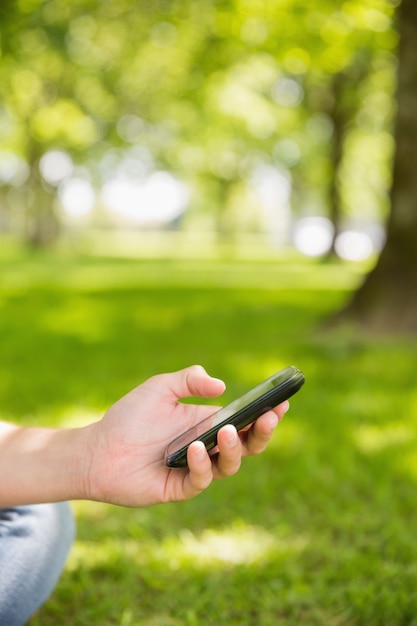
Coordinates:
[41,465]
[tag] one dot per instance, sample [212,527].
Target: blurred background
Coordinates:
[227,118]
[212,182]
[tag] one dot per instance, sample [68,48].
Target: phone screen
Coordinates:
[239,412]
[246,399]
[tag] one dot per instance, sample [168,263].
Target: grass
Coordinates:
[320,530]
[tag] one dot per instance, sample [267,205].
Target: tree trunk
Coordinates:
[41,224]
[339,117]
[387,301]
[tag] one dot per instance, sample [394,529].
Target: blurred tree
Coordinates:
[387,300]
[215,91]
[346,87]
[58,86]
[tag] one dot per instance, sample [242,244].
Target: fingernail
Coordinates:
[232,438]
[285,407]
[278,419]
[201,450]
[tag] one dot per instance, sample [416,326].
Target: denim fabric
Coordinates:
[34,545]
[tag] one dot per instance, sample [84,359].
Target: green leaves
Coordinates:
[226,82]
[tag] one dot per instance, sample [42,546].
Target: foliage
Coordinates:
[215,91]
[387,300]
[319,530]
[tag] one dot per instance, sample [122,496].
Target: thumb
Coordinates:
[194,381]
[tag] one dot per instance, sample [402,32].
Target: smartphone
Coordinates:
[240,413]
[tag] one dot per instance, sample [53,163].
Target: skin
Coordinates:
[119,459]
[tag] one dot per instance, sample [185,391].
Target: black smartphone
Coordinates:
[240,413]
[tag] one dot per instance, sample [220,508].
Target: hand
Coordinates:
[125,449]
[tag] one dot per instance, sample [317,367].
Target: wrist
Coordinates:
[73,445]
[40,465]
[85,473]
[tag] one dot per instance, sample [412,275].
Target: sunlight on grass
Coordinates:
[238,544]
[93,554]
[373,439]
[77,416]
[88,272]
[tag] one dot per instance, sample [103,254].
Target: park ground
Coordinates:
[320,530]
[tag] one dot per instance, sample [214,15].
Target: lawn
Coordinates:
[320,530]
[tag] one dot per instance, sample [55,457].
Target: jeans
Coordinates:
[34,545]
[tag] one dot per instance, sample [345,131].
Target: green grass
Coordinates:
[320,530]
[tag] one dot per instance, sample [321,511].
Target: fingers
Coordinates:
[281,409]
[203,468]
[232,446]
[229,457]
[256,439]
[200,470]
